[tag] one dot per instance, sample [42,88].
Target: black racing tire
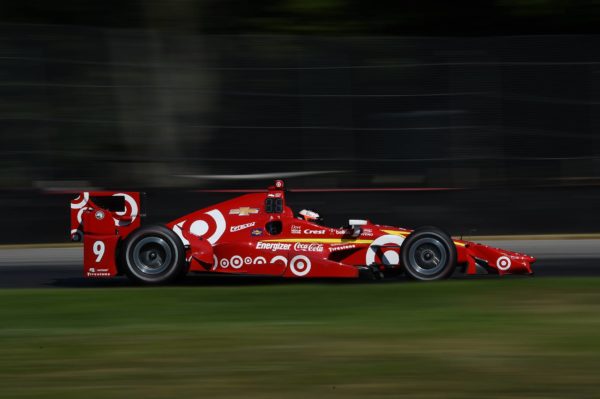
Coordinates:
[428,254]
[153,255]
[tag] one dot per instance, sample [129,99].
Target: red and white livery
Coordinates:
[258,234]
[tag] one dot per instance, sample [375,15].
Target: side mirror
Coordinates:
[356,231]
[357,222]
[355,226]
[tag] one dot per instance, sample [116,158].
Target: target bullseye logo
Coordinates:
[210,224]
[131,210]
[388,256]
[503,263]
[80,213]
[300,265]
[259,260]
[236,262]
[83,200]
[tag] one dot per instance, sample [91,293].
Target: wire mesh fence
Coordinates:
[108,107]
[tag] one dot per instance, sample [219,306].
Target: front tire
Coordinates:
[428,254]
[153,255]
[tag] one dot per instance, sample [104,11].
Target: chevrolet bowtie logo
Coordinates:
[243,211]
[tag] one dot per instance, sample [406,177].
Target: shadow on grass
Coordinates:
[208,280]
[230,280]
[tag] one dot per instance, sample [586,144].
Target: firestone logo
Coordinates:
[312,247]
[93,272]
[273,246]
[341,247]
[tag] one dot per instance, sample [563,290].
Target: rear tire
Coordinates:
[153,255]
[428,254]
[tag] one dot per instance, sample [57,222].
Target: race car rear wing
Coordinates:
[101,219]
[96,212]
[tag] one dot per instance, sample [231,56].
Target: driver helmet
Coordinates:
[309,216]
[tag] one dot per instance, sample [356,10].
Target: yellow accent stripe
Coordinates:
[396,233]
[322,240]
[576,236]
[405,233]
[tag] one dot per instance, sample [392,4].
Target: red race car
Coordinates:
[258,234]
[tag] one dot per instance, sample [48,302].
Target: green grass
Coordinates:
[506,338]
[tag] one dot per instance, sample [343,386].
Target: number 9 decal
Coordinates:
[98,249]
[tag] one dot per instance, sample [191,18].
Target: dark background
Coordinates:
[497,101]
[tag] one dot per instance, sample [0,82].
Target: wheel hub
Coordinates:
[152,255]
[428,256]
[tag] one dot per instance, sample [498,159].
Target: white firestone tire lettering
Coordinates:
[300,265]
[503,263]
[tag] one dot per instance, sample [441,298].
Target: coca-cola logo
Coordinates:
[308,247]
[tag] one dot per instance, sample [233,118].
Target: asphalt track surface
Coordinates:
[62,267]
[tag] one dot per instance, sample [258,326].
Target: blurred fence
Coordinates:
[113,108]
[512,120]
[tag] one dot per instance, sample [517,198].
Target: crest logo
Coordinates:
[241,227]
